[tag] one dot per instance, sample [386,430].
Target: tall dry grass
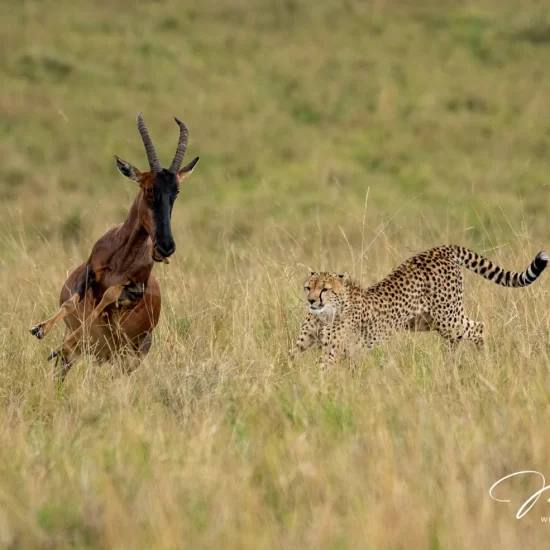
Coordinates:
[217,442]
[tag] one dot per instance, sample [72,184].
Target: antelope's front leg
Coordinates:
[131,293]
[309,335]
[85,280]
[64,361]
[111,295]
[66,309]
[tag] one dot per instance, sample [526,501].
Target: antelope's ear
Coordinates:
[187,169]
[126,169]
[344,276]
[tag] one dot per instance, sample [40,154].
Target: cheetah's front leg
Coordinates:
[334,342]
[309,335]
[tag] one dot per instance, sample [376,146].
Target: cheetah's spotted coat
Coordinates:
[423,293]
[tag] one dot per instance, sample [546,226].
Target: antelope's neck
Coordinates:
[133,247]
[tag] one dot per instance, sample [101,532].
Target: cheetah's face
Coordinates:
[324,292]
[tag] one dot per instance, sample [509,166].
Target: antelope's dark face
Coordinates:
[159,189]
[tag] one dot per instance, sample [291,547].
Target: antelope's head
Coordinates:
[159,189]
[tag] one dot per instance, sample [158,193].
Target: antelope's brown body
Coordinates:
[128,325]
[111,303]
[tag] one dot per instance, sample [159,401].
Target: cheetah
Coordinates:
[424,293]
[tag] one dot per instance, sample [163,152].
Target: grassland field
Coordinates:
[340,135]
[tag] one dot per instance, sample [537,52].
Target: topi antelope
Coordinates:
[113,297]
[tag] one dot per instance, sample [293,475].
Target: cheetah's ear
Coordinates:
[344,276]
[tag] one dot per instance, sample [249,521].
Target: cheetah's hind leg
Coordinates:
[466,329]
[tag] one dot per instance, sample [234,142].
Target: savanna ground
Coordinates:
[337,135]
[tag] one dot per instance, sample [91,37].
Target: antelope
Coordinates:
[113,300]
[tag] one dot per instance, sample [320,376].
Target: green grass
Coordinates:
[336,135]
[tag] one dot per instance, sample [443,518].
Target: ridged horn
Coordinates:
[154,162]
[182,146]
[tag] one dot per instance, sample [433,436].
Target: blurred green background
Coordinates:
[296,108]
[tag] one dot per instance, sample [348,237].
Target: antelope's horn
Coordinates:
[182,146]
[154,162]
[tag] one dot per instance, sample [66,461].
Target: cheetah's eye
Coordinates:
[307,288]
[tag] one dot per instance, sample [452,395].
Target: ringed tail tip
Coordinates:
[543,257]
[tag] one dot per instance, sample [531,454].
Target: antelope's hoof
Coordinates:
[53,354]
[37,331]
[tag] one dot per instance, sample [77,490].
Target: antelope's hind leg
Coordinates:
[133,360]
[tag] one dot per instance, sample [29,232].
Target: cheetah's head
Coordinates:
[324,291]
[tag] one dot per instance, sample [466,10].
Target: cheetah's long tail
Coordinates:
[487,269]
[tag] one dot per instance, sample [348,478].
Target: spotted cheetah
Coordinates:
[423,293]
